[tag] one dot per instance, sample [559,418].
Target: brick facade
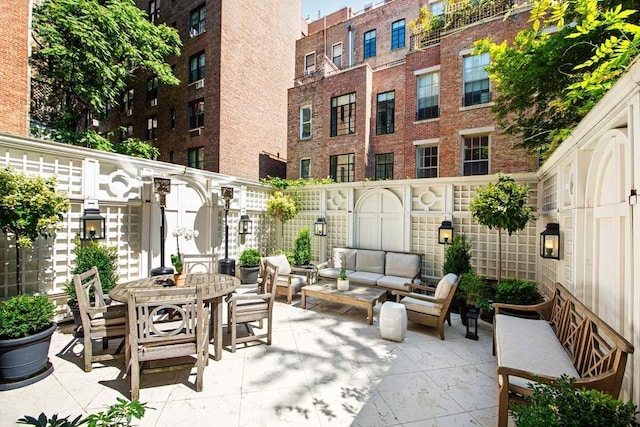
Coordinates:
[250,50]
[14,67]
[395,70]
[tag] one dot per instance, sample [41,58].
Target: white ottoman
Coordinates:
[393,321]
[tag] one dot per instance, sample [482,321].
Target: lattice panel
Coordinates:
[337,199]
[462,196]
[256,200]
[337,231]
[310,200]
[566,246]
[549,194]
[67,171]
[429,198]
[424,239]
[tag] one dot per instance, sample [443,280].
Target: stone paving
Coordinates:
[326,367]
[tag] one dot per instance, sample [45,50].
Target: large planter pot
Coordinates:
[25,360]
[249,274]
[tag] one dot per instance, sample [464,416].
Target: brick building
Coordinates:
[228,115]
[14,67]
[371,101]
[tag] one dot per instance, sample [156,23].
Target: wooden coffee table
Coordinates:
[357,296]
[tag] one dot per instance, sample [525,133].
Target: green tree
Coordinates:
[282,207]
[30,207]
[87,52]
[501,206]
[554,73]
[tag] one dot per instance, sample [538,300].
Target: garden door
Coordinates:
[379,221]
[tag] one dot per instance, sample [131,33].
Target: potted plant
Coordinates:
[30,207]
[283,207]
[176,259]
[520,292]
[473,291]
[26,327]
[249,265]
[343,281]
[457,260]
[302,249]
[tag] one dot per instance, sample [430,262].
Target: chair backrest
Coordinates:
[89,293]
[280,261]
[200,263]
[443,289]
[269,278]
[147,318]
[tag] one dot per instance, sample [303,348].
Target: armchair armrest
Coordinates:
[421,297]
[411,287]
[247,297]
[545,305]
[295,271]
[323,265]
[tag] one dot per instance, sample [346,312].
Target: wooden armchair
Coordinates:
[99,320]
[289,279]
[152,337]
[430,310]
[252,307]
[200,263]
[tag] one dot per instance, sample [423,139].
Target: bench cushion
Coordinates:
[402,265]
[530,345]
[393,282]
[350,255]
[332,273]
[421,306]
[370,261]
[364,277]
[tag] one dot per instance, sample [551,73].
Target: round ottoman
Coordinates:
[393,321]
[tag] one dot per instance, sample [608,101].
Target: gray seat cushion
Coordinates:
[332,273]
[364,278]
[393,282]
[370,261]
[402,265]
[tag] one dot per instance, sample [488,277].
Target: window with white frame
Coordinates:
[309,63]
[427,161]
[476,80]
[305,167]
[336,54]
[428,96]
[342,168]
[343,115]
[305,122]
[397,34]
[475,160]
[198,18]
[385,112]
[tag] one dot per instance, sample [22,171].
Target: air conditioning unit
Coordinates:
[200,84]
[195,132]
[309,72]
[153,102]
[130,112]
[193,33]
[95,122]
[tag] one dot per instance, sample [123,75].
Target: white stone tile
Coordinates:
[471,388]
[290,406]
[222,410]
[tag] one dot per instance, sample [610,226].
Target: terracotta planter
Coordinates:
[179,279]
[23,359]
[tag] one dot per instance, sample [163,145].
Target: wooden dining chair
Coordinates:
[99,320]
[253,307]
[151,337]
[200,263]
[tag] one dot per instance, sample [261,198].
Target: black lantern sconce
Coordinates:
[245,225]
[445,233]
[472,323]
[550,241]
[93,224]
[320,227]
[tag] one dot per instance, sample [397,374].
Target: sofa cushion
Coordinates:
[402,265]
[426,307]
[281,262]
[530,345]
[297,280]
[332,273]
[350,255]
[364,277]
[370,261]
[444,286]
[393,282]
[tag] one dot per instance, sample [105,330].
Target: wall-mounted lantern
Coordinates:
[445,233]
[550,241]
[245,225]
[320,227]
[93,224]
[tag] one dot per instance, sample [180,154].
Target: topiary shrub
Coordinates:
[25,315]
[250,258]
[518,291]
[92,253]
[457,258]
[302,248]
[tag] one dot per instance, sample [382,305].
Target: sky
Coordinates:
[310,7]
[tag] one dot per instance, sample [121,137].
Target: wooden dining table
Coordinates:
[214,288]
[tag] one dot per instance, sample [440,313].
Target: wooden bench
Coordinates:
[572,341]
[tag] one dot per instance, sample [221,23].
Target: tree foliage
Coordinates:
[87,52]
[557,70]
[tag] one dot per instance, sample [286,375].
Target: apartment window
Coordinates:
[369,44]
[305,122]
[397,34]
[385,113]
[343,115]
[336,54]
[196,67]
[172,118]
[427,162]
[154,10]
[305,166]
[309,63]
[152,88]
[195,157]
[126,132]
[126,102]
[152,128]
[342,167]
[198,17]
[476,155]
[476,80]
[384,166]
[196,114]
[171,156]
[428,96]
[437,8]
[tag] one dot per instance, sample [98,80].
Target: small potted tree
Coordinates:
[249,265]
[473,292]
[302,249]
[26,327]
[457,260]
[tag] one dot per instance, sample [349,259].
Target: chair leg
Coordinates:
[233,334]
[135,379]
[105,343]
[289,295]
[269,321]
[88,352]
